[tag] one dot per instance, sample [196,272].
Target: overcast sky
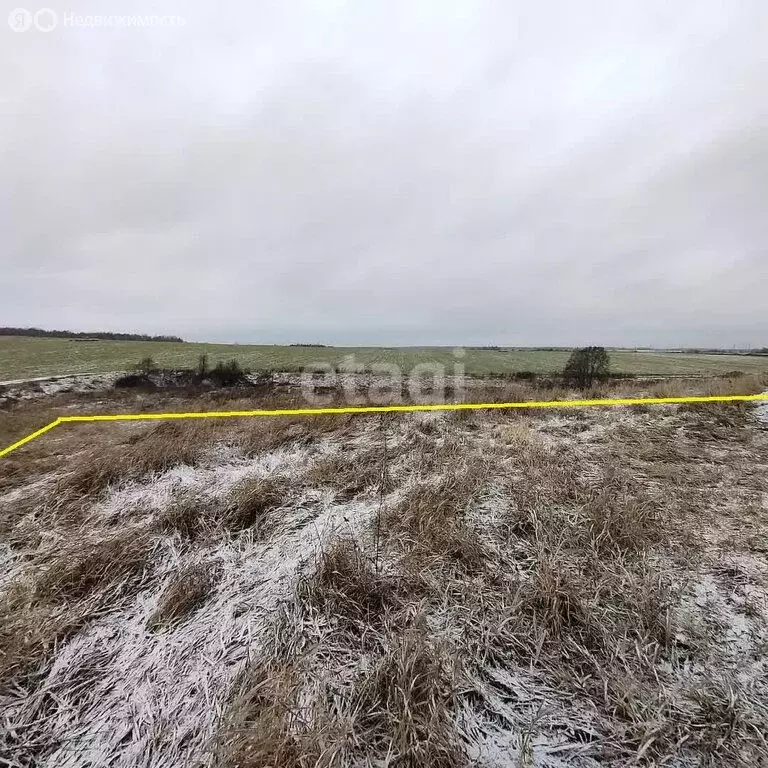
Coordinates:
[363,172]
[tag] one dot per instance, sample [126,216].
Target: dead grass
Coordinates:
[81,566]
[91,475]
[728,722]
[289,712]
[263,435]
[19,420]
[252,501]
[168,444]
[750,384]
[518,565]
[190,516]
[247,506]
[270,433]
[350,588]
[42,456]
[401,707]
[718,422]
[267,726]
[430,527]
[349,476]
[576,582]
[159,448]
[63,588]
[621,516]
[516,391]
[406,704]
[188,590]
[35,459]
[21,470]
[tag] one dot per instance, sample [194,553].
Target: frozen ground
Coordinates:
[761,410]
[573,589]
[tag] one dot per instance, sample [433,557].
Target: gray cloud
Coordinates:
[395,173]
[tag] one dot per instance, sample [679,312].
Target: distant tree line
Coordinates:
[744,351]
[39,332]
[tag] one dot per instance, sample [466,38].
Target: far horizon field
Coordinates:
[26,357]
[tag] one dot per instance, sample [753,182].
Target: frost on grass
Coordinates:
[578,589]
[553,584]
[761,411]
[137,656]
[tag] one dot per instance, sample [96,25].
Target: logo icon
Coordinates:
[19,19]
[46,19]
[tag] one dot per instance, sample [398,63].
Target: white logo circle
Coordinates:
[46,19]
[19,19]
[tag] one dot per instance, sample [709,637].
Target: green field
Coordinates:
[25,357]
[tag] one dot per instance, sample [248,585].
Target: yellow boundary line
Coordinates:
[386,409]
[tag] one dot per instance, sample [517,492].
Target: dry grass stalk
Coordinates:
[347,587]
[349,477]
[406,704]
[252,501]
[270,433]
[188,590]
[160,448]
[287,712]
[83,566]
[550,560]
[63,588]
[430,524]
[247,506]
[268,725]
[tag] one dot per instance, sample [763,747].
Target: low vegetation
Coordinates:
[573,594]
[577,588]
[26,357]
[186,592]
[62,588]
[227,374]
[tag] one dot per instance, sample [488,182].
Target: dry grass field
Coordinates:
[583,587]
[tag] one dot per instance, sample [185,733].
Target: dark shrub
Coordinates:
[134,381]
[228,374]
[146,366]
[587,365]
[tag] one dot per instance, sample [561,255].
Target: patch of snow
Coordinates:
[525,723]
[29,389]
[224,469]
